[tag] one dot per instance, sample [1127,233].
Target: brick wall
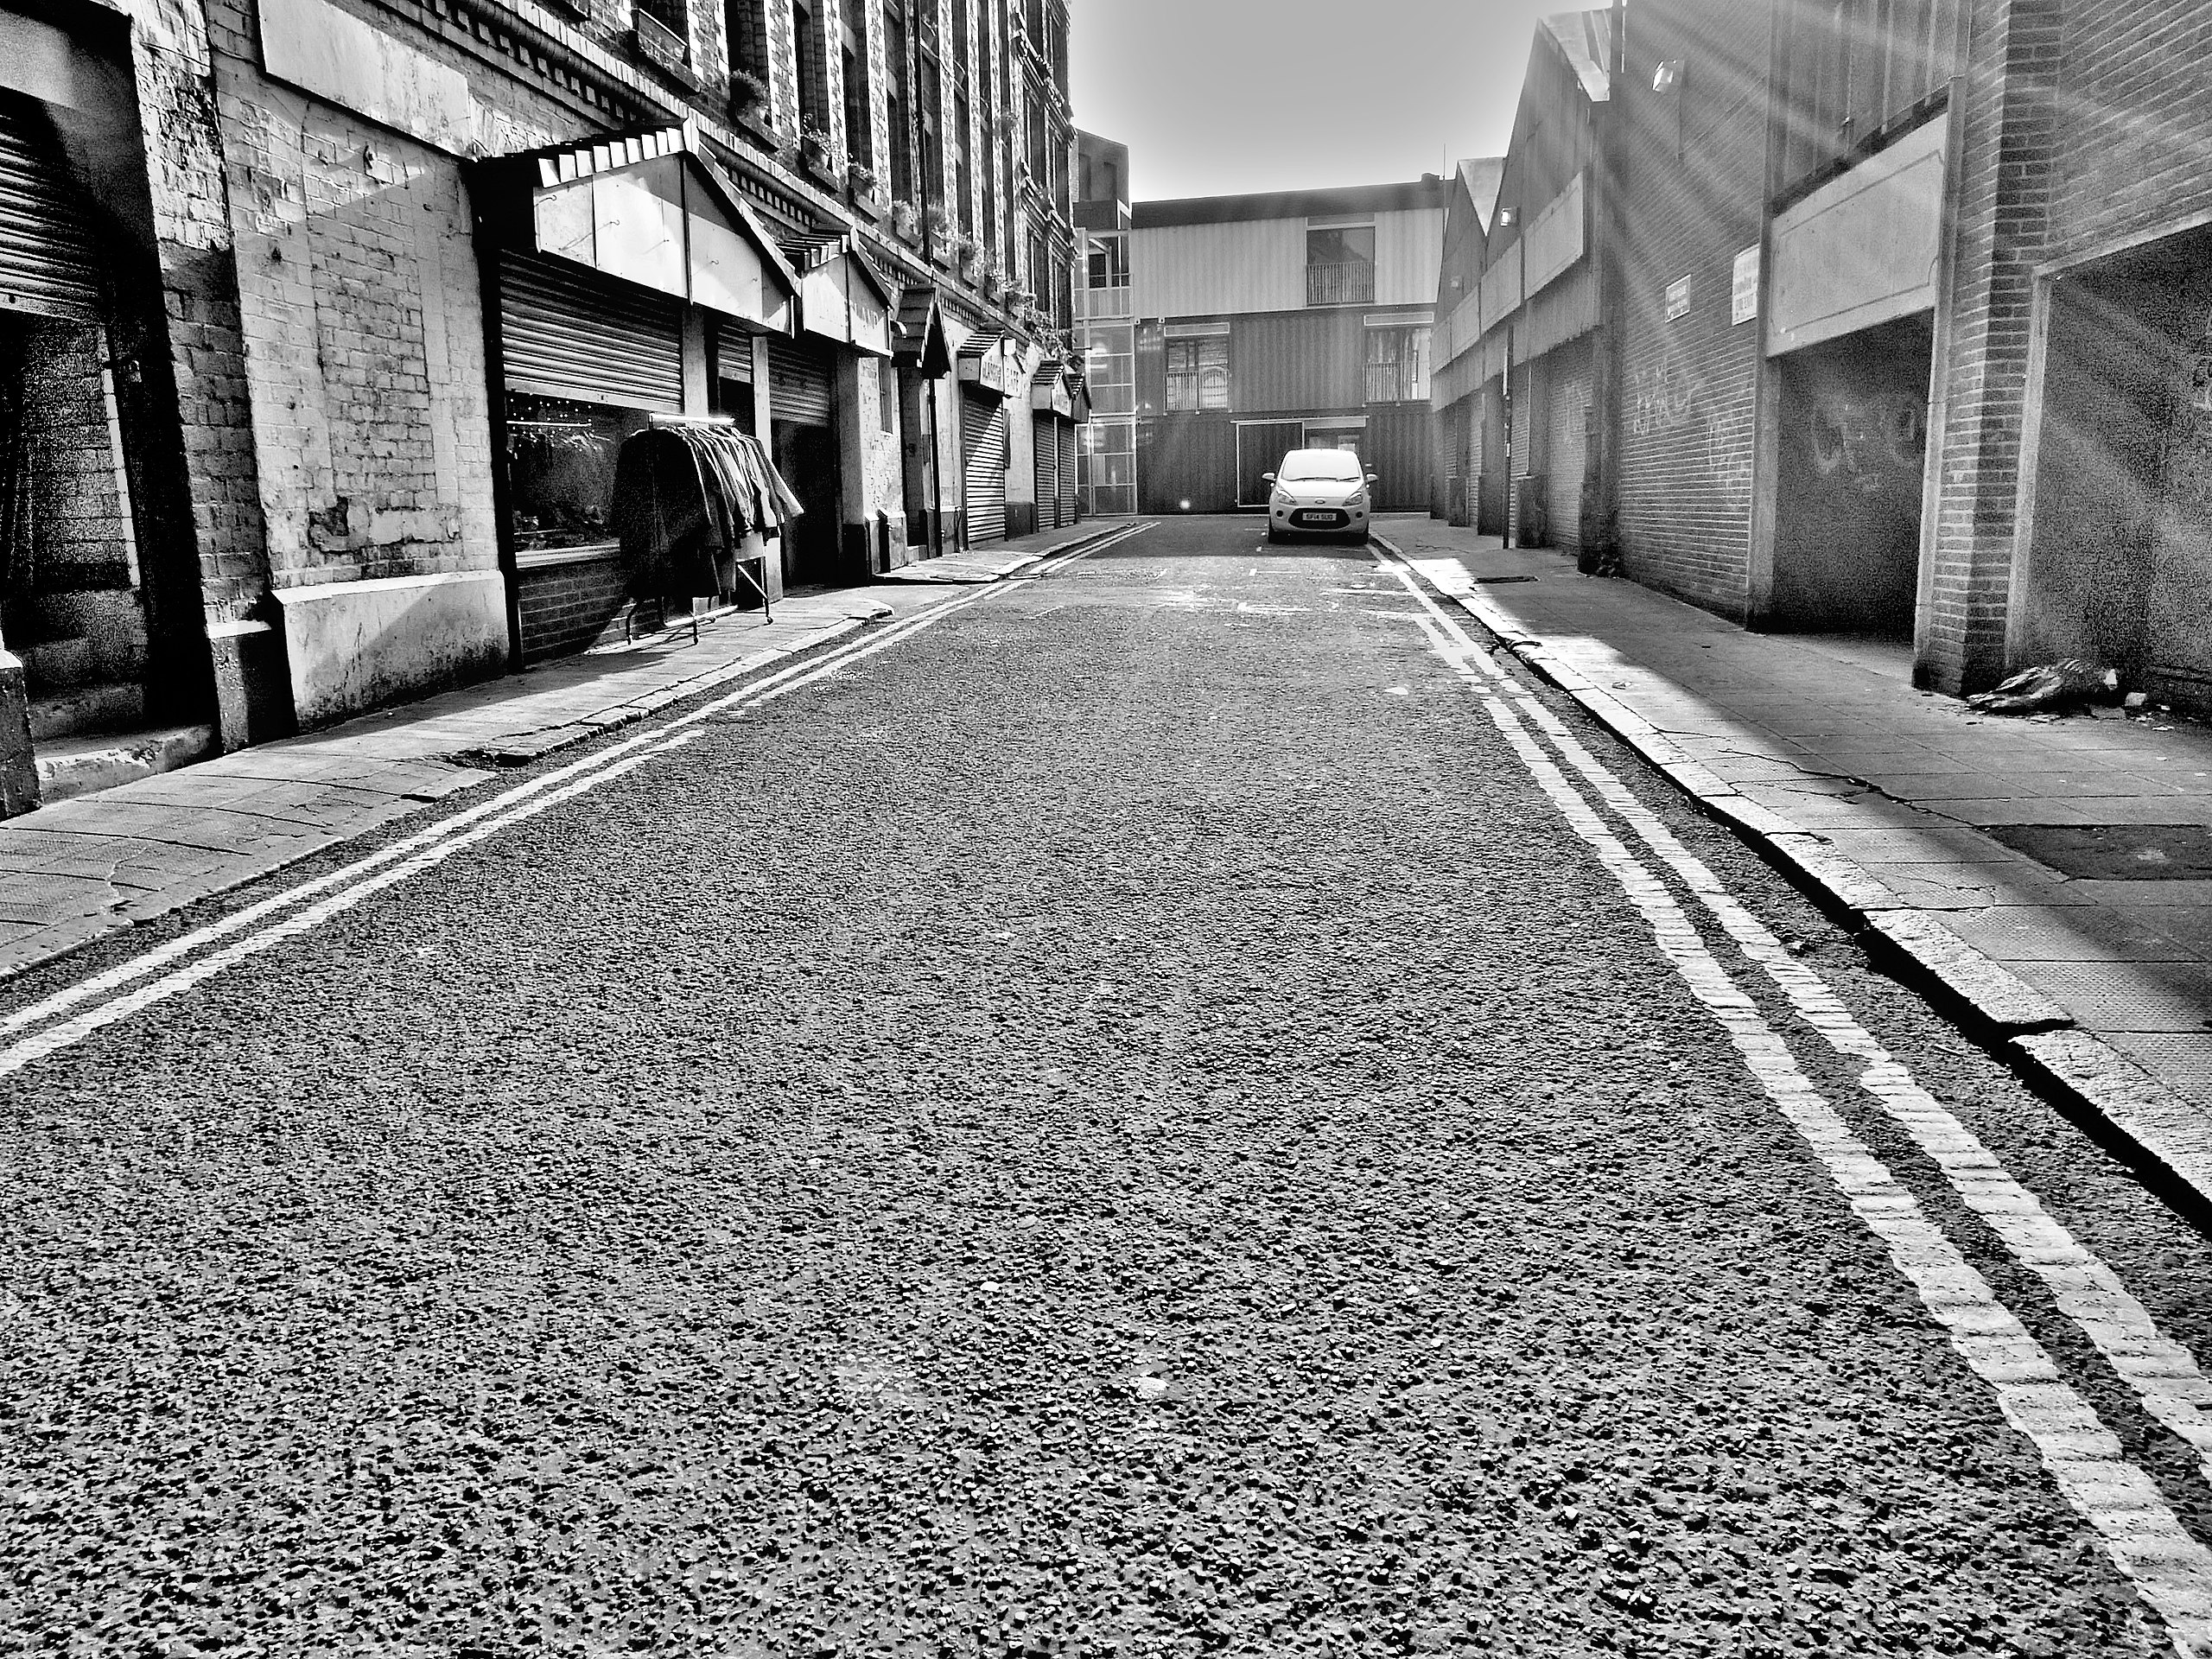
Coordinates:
[2132,147]
[566,607]
[2003,191]
[1696,172]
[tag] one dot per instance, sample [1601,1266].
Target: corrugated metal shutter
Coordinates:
[1067,472]
[565,332]
[798,383]
[48,260]
[1048,451]
[983,465]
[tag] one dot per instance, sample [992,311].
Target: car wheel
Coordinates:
[1275,537]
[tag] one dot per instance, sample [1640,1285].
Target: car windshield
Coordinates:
[1308,466]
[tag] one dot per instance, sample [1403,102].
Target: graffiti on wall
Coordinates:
[1876,444]
[1669,395]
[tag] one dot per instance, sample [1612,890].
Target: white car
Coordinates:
[1318,493]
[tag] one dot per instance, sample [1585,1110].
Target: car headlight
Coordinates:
[1356,500]
[1279,500]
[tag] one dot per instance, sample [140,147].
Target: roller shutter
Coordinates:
[798,384]
[983,465]
[567,332]
[1067,472]
[48,261]
[1048,461]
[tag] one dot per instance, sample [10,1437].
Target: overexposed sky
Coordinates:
[1215,97]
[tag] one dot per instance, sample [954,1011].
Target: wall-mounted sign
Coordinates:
[1743,292]
[1678,299]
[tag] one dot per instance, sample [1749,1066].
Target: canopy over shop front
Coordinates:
[917,337]
[649,207]
[991,361]
[842,298]
[1048,390]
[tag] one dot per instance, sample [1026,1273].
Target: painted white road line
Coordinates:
[2163,1373]
[420,850]
[2171,1570]
[2145,1538]
[74,1030]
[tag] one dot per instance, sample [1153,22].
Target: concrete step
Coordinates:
[86,709]
[56,662]
[71,767]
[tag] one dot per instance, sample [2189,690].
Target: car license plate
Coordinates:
[1316,518]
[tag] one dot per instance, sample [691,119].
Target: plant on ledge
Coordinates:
[992,280]
[966,250]
[906,220]
[819,148]
[748,94]
[940,223]
[862,179]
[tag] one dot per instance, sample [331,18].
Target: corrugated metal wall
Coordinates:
[1408,248]
[1200,270]
[1401,448]
[1298,360]
[1197,270]
[1186,458]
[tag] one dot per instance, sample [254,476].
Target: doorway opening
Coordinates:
[1853,464]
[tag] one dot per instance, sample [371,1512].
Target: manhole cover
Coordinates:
[2115,852]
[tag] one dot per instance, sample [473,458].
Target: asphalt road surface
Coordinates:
[1175,1107]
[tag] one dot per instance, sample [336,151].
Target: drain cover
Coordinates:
[2113,852]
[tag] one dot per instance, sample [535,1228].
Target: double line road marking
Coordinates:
[68,1016]
[2169,1568]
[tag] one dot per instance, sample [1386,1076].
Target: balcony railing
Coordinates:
[1352,285]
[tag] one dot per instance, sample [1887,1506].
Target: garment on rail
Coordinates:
[686,495]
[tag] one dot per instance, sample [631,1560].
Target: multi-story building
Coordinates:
[1106,325]
[329,316]
[1516,369]
[1910,330]
[1455,385]
[1265,323]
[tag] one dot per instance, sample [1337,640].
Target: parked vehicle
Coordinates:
[1318,493]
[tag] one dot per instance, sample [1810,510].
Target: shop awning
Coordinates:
[841,296]
[992,362]
[648,208]
[918,340]
[1048,390]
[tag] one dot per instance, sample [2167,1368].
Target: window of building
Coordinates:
[1110,261]
[1339,264]
[670,14]
[745,24]
[860,130]
[898,104]
[1398,365]
[807,54]
[963,167]
[1197,373]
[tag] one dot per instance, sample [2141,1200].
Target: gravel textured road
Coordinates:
[1127,1121]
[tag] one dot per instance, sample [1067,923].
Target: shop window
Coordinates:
[1397,366]
[561,469]
[1197,373]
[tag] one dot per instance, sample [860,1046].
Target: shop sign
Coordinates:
[1743,292]
[1678,299]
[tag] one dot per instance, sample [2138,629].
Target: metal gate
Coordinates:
[1048,451]
[798,384]
[983,465]
[49,264]
[566,333]
[1067,472]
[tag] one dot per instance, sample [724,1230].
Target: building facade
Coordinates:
[1266,323]
[316,352]
[1515,379]
[1106,324]
[1910,337]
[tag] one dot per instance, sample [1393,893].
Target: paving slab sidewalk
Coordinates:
[1889,802]
[82,868]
